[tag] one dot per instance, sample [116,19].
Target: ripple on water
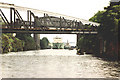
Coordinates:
[57,64]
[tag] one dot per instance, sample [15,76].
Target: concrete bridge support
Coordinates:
[37,40]
[78,37]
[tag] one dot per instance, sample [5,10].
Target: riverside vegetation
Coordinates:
[109,20]
[108,31]
[11,43]
[19,43]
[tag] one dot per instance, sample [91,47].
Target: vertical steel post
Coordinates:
[60,23]
[14,17]
[44,21]
[11,23]
[76,24]
[30,18]
[28,15]
[73,24]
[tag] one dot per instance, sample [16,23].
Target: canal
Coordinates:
[56,64]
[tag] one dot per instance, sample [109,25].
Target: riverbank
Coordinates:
[20,42]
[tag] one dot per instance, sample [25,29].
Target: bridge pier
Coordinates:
[37,40]
[78,37]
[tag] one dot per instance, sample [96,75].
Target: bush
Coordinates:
[10,43]
[44,43]
[6,43]
[17,44]
[29,43]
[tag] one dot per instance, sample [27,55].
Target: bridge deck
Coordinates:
[42,24]
[47,31]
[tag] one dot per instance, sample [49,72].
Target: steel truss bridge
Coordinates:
[49,23]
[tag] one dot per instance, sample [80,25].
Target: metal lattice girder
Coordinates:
[17,21]
[46,22]
[56,22]
[5,20]
[6,5]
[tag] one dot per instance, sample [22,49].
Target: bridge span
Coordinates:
[49,23]
[55,23]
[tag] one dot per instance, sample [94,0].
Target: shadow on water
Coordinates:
[107,58]
[111,63]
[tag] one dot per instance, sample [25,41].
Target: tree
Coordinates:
[97,17]
[88,43]
[44,43]
[109,24]
[11,43]
[109,20]
[108,30]
[6,43]
[29,41]
[17,44]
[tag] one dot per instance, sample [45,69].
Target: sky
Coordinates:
[83,9]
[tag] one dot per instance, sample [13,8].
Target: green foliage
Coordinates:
[108,30]
[17,44]
[97,17]
[22,36]
[29,43]
[109,24]
[44,43]
[88,42]
[6,43]
[109,20]
[10,43]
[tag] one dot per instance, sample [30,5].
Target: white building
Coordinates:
[58,44]
[57,40]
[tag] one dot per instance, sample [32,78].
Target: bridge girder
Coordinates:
[7,6]
[45,23]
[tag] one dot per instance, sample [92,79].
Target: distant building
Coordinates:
[57,40]
[114,2]
[58,44]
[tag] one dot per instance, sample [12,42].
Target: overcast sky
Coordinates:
[83,9]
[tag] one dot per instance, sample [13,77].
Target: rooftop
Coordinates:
[57,37]
[114,0]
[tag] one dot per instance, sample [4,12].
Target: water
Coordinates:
[56,64]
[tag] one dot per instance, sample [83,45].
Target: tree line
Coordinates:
[20,42]
[108,31]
